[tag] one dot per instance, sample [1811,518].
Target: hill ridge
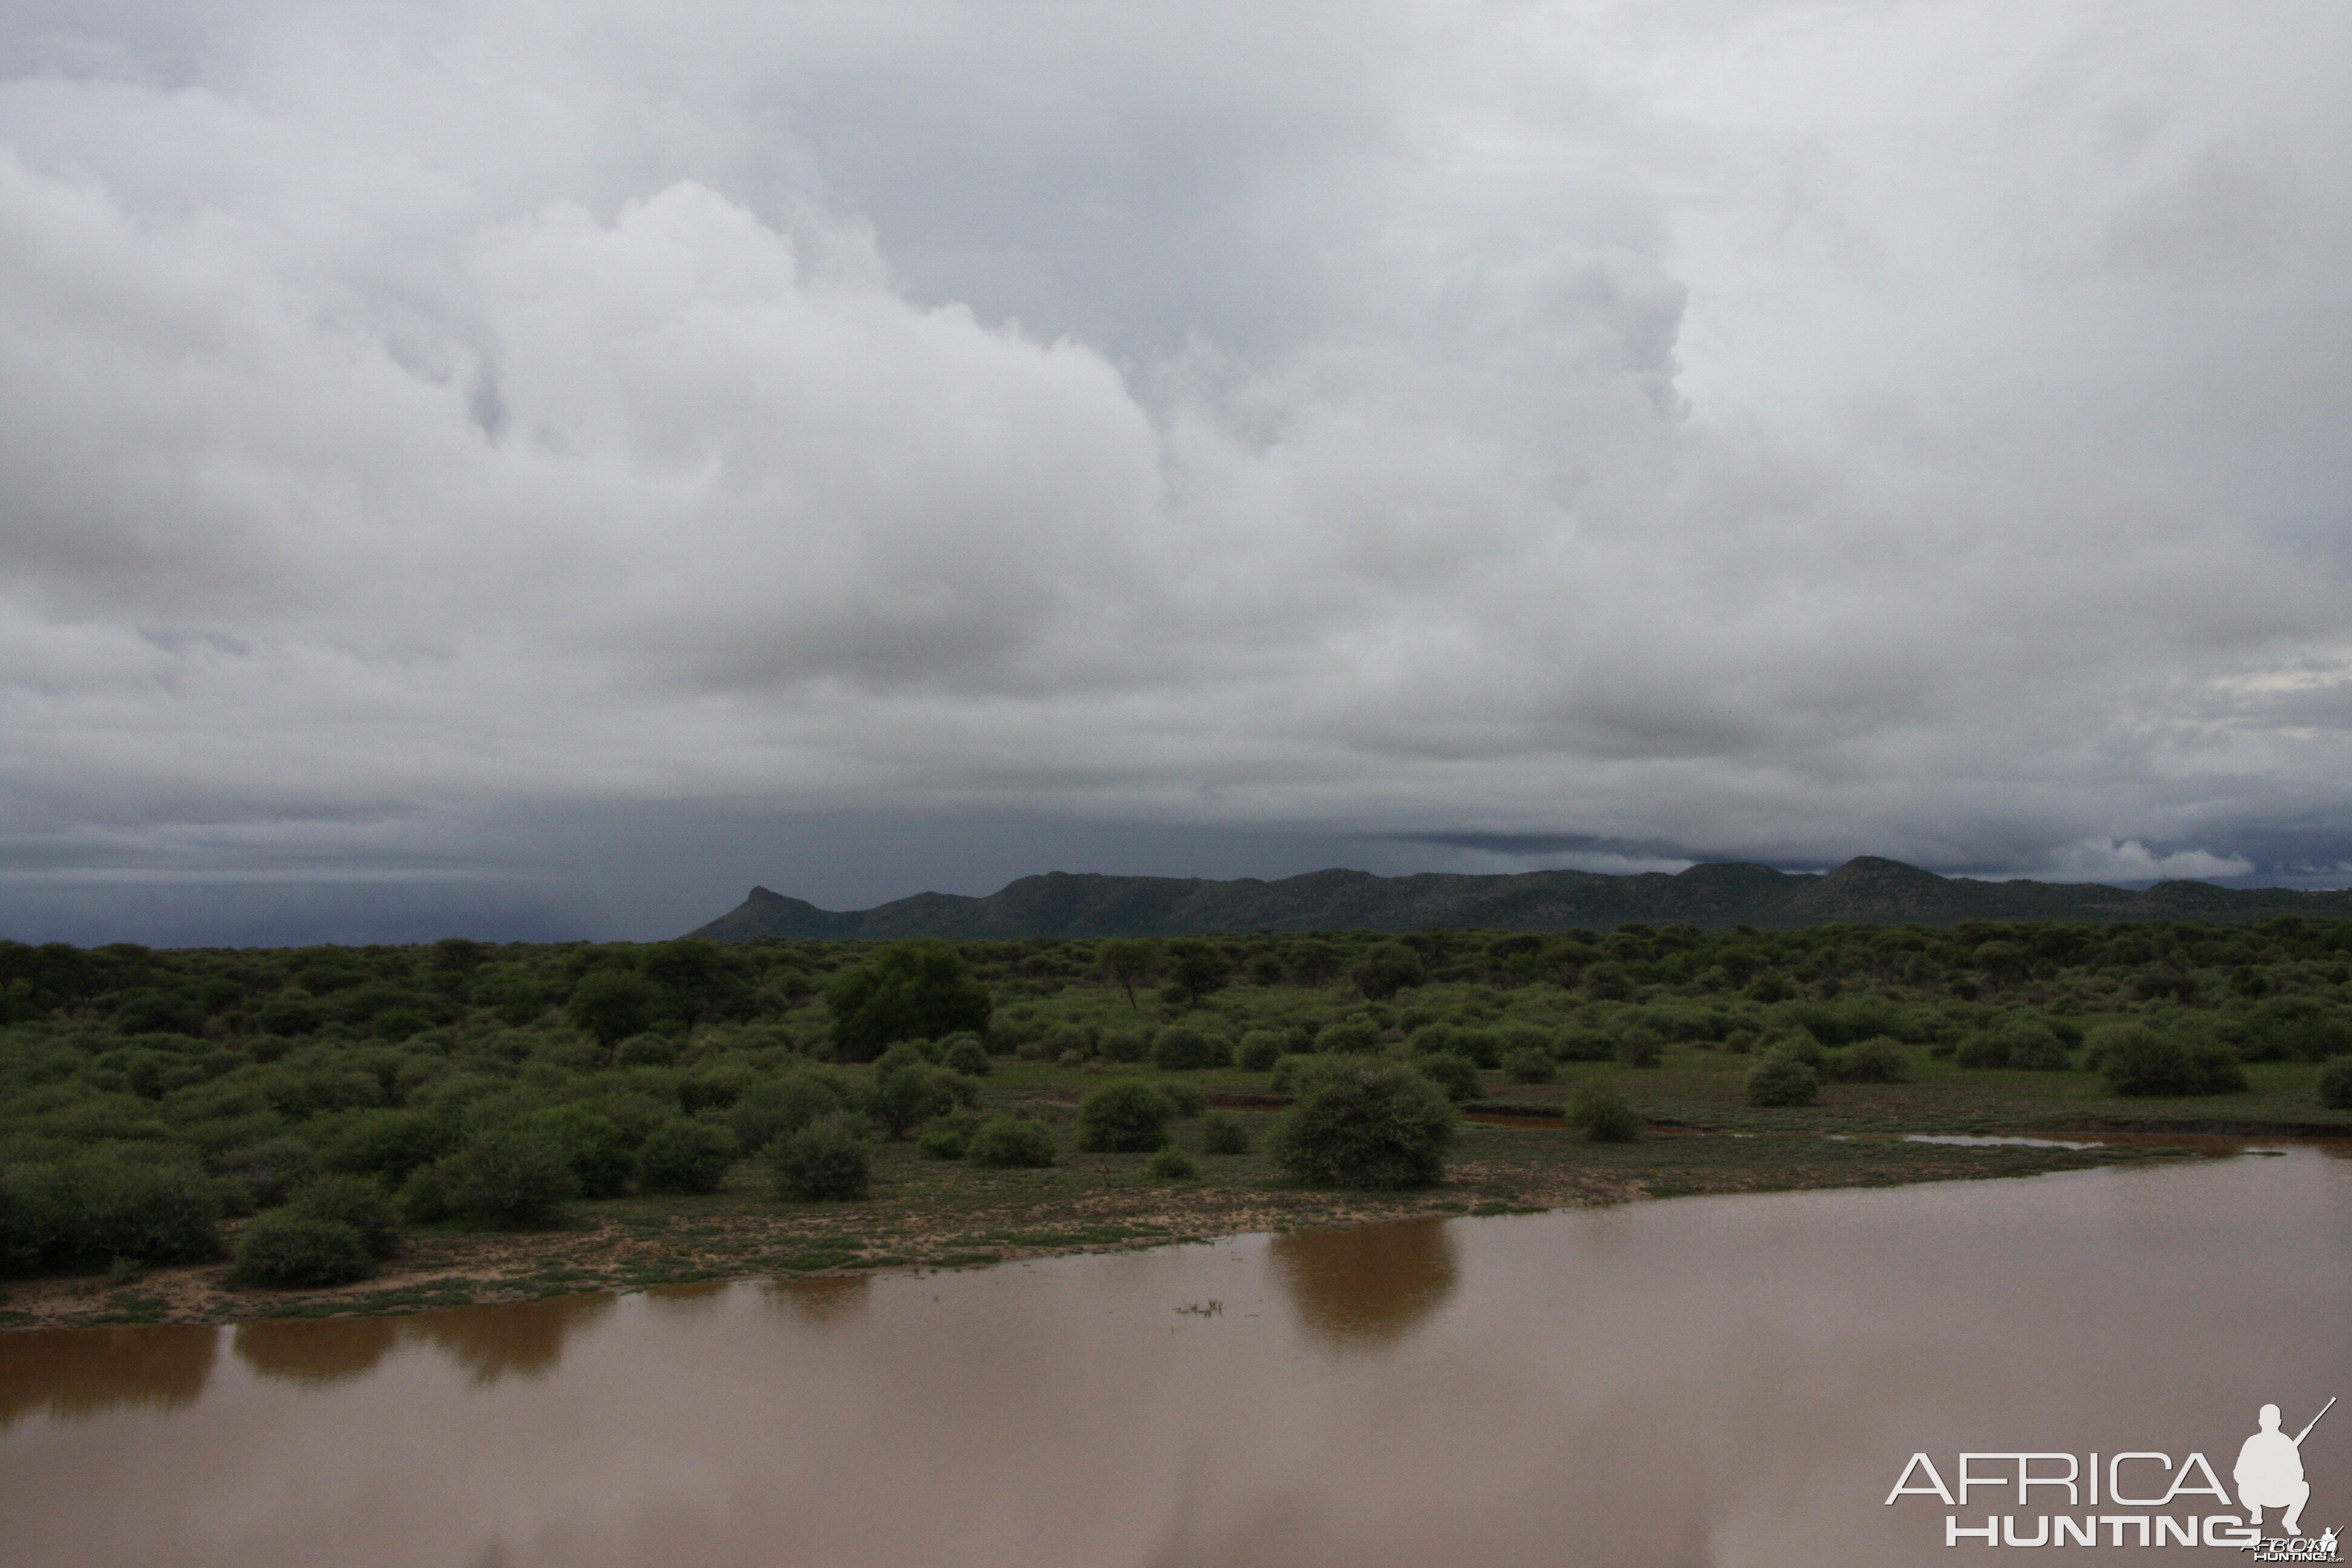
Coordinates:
[1712,895]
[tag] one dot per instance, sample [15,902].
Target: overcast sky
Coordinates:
[538,470]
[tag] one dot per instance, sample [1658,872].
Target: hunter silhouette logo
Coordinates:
[2155,1502]
[2270,1470]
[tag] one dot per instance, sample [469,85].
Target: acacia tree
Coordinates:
[1124,961]
[1199,967]
[908,991]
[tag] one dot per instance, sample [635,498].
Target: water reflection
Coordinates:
[1367,1287]
[1726,1380]
[525,1341]
[820,1301]
[332,1350]
[82,1372]
[686,1301]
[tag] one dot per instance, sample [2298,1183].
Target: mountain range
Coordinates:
[1710,897]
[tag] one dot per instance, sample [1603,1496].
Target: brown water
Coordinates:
[1727,1380]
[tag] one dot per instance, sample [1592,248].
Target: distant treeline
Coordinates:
[144,1095]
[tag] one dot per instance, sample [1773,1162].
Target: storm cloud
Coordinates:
[1187,439]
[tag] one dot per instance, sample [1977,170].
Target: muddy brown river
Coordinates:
[1719,1381]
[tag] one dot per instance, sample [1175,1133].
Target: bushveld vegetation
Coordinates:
[151,1100]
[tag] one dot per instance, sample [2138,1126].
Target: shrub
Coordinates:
[1872,1061]
[1127,1116]
[1524,1065]
[783,1106]
[1584,1045]
[1010,1143]
[947,1137]
[2336,1084]
[292,1250]
[515,1177]
[1173,1165]
[906,1098]
[1782,1079]
[272,1169]
[603,1163]
[1185,1100]
[1182,1048]
[612,1004]
[648,1051]
[2138,1060]
[1352,1036]
[1374,1124]
[1640,1048]
[1603,1112]
[359,1202]
[1387,968]
[1223,1132]
[1258,1051]
[1457,1075]
[825,1160]
[1294,1073]
[390,1143]
[1120,1046]
[683,1155]
[718,1086]
[910,991]
[155,1214]
[1483,1047]
[965,1052]
[98,1207]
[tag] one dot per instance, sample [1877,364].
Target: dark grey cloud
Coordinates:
[1469,435]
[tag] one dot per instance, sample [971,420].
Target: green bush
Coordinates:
[1010,1143]
[683,1155]
[1524,1065]
[1782,1079]
[1872,1061]
[603,1161]
[1376,1124]
[965,1053]
[646,1050]
[271,1169]
[908,991]
[1183,1049]
[2336,1084]
[99,1207]
[1481,1047]
[905,1099]
[1126,1116]
[1293,1073]
[1258,1051]
[154,1214]
[389,1143]
[1584,1045]
[1640,1047]
[1457,1075]
[1223,1132]
[514,1177]
[359,1202]
[2138,1060]
[1601,1110]
[783,1106]
[1173,1165]
[295,1251]
[947,1137]
[1186,1100]
[826,1160]
[1120,1046]
[1348,1036]
[2025,1044]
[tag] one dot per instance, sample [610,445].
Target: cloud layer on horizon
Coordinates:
[1749,430]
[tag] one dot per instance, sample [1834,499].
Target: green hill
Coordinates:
[1712,898]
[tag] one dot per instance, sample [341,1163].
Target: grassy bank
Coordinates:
[928,1213]
[155,1106]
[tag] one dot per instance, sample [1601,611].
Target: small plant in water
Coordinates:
[1210,1308]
